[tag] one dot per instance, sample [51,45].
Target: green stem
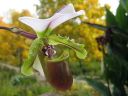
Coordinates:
[107,80]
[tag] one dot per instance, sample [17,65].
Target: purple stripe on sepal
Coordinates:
[61,9]
[19,31]
[23,33]
[28,35]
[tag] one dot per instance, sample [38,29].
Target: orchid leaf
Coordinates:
[78,48]
[62,57]
[99,86]
[121,17]
[110,18]
[98,26]
[26,68]
[124,4]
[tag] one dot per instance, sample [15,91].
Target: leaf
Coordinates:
[110,18]
[26,68]
[98,86]
[100,27]
[124,4]
[78,48]
[116,69]
[121,32]
[116,30]
[121,17]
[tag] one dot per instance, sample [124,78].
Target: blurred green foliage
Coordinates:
[116,59]
[12,84]
[115,49]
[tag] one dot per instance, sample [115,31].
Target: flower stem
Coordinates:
[5,28]
[27,34]
[20,31]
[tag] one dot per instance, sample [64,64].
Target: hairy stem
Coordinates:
[5,28]
[19,31]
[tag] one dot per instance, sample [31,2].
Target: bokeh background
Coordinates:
[14,48]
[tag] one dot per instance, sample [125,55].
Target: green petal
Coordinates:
[26,68]
[78,48]
[62,57]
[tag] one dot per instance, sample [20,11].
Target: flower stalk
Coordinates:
[16,30]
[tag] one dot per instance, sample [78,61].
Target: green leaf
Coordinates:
[124,4]
[117,31]
[100,27]
[99,86]
[121,17]
[110,18]
[117,69]
[26,68]
[78,48]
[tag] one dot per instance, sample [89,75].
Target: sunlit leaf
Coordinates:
[121,18]
[110,18]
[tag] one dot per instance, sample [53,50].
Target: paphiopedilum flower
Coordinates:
[43,28]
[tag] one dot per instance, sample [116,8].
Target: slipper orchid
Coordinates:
[45,40]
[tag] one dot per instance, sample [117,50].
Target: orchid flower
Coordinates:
[43,29]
